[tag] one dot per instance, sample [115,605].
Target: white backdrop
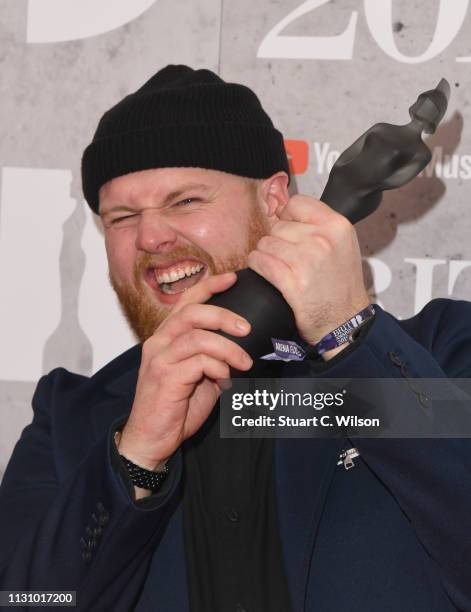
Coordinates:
[324,70]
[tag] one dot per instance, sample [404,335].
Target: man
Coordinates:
[121,488]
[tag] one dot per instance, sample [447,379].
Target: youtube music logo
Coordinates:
[298,155]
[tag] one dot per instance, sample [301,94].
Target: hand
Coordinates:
[181,365]
[313,258]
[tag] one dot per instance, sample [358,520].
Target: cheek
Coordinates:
[121,256]
[218,233]
[209,234]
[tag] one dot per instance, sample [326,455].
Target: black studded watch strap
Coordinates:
[142,477]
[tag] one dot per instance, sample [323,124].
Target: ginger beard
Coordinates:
[141,307]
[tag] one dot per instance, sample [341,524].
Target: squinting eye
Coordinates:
[118,219]
[187,201]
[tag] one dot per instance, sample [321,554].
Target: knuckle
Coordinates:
[148,348]
[271,266]
[278,229]
[156,367]
[305,262]
[343,225]
[226,318]
[296,199]
[222,314]
[197,337]
[323,244]
[264,241]
[201,361]
[218,368]
[312,215]
[304,283]
[187,310]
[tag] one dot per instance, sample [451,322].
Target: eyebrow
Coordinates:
[168,198]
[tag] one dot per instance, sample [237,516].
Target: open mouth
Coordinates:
[177,278]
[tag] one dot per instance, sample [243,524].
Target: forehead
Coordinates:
[160,182]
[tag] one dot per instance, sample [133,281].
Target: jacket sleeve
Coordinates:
[429,478]
[85,534]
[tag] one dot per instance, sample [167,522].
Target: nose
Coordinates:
[154,233]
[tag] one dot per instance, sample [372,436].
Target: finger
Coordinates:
[202,291]
[208,343]
[296,232]
[224,383]
[202,316]
[335,230]
[287,252]
[307,210]
[273,269]
[201,365]
[293,231]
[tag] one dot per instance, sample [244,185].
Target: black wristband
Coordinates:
[143,478]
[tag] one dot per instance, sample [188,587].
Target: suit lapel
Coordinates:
[304,470]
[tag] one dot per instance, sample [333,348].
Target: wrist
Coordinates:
[128,449]
[147,479]
[342,335]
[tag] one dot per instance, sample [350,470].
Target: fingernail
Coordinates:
[242,324]
[225,383]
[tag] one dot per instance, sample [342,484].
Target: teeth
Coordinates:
[174,275]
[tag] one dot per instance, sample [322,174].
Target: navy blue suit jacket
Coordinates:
[394,533]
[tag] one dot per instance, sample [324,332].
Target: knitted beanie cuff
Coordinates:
[253,151]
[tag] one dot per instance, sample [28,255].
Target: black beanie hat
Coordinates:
[183,118]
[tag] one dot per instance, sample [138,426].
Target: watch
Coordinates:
[142,477]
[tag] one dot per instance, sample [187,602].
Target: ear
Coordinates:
[274,193]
